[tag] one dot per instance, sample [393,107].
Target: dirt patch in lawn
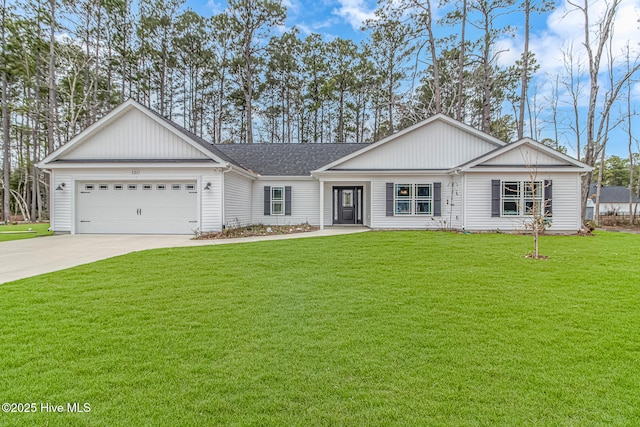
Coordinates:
[257,230]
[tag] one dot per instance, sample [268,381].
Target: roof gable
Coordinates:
[439,142]
[134,132]
[525,153]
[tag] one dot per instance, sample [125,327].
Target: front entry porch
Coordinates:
[347,205]
[345,202]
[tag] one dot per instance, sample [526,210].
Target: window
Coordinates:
[103,186]
[147,186]
[521,198]
[161,187]
[118,186]
[413,199]
[176,186]
[347,198]
[89,186]
[132,186]
[277,200]
[189,187]
[424,199]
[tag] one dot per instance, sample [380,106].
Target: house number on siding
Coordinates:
[135,171]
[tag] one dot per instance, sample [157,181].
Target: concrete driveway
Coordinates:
[30,257]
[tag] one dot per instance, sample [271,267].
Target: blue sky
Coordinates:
[552,33]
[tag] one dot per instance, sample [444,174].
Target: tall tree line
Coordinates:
[236,77]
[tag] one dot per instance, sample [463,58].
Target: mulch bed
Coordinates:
[257,230]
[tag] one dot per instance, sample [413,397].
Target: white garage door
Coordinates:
[167,207]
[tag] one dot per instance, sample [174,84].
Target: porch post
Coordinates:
[321,204]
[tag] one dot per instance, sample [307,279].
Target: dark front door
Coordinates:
[347,205]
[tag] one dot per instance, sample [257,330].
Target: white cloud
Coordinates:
[215,7]
[355,12]
[293,6]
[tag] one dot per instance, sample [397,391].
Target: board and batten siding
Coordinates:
[305,202]
[237,200]
[451,204]
[134,136]
[62,205]
[523,155]
[438,145]
[565,202]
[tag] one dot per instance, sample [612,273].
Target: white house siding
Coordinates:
[451,203]
[134,136]
[525,155]
[210,203]
[617,208]
[305,202]
[565,201]
[62,201]
[437,145]
[237,200]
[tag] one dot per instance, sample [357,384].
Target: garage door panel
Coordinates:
[140,208]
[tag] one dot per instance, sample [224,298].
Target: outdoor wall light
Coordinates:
[208,186]
[61,186]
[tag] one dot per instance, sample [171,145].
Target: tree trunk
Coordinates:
[6,146]
[524,74]
[434,60]
[461,59]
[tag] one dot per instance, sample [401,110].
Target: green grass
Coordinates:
[20,231]
[379,328]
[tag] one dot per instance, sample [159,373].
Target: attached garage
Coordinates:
[152,207]
[135,172]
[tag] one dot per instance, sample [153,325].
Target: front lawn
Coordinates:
[23,231]
[378,328]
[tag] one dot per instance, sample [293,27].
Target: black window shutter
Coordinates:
[287,200]
[437,199]
[267,200]
[495,197]
[548,198]
[389,198]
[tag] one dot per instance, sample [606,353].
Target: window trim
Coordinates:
[523,196]
[413,199]
[281,200]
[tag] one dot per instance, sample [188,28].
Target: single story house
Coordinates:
[134,171]
[614,200]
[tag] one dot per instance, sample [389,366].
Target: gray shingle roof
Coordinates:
[286,159]
[612,194]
